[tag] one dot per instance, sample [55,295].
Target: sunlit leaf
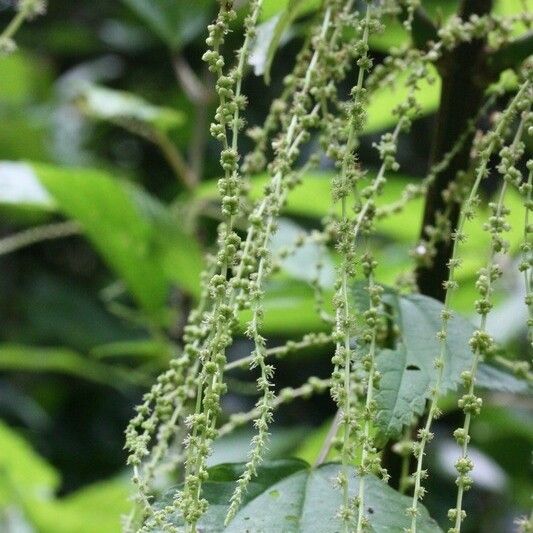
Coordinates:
[98,507]
[24,473]
[134,233]
[125,108]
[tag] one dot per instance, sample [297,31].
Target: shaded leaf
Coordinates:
[17,357]
[408,371]
[289,496]
[176,23]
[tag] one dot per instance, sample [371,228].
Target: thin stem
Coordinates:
[466,212]
[38,234]
[280,351]
[330,437]
[174,158]
[461,485]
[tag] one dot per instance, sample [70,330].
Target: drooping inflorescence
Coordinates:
[181,416]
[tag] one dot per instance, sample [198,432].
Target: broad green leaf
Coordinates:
[137,235]
[24,475]
[17,358]
[23,79]
[282,23]
[291,497]
[113,223]
[98,507]
[176,23]
[408,371]
[127,109]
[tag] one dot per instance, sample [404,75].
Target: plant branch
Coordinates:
[511,55]
[40,233]
[174,159]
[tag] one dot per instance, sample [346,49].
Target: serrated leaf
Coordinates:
[291,497]
[125,109]
[408,371]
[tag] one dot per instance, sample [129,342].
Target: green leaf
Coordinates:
[98,507]
[23,474]
[274,7]
[176,23]
[114,225]
[274,36]
[17,357]
[289,496]
[135,234]
[142,348]
[127,109]
[386,98]
[408,371]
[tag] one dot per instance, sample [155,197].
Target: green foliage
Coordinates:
[175,23]
[28,485]
[127,109]
[290,496]
[19,358]
[408,371]
[254,275]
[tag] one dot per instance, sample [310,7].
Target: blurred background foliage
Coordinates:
[108,201]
